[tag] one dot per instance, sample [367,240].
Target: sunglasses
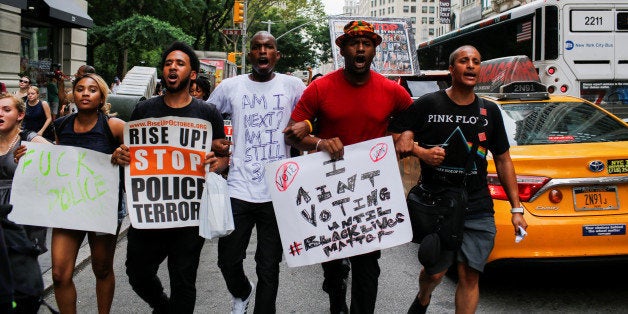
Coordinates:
[24,81]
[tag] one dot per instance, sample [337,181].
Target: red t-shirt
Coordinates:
[351,113]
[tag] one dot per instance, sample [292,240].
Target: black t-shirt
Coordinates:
[156,108]
[437,121]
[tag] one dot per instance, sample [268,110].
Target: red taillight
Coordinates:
[528,186]
[564,88]
[551,89]
[551,70]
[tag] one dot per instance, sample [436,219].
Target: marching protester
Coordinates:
[91,128]
[66,100]
[148,248]
[488,132]
[351,105]
[276,96]
[14,286]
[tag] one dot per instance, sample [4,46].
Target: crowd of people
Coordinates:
[344,107]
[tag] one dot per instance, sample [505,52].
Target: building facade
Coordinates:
[431,18]
[39,36]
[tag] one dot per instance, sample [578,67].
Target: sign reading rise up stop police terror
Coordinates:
[164,180]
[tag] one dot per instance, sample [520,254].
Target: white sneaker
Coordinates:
[239,306]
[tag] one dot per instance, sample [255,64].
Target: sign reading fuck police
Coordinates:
[330,209]
[65,187]
[164,180]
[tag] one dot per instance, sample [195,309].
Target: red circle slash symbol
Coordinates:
[285,175]
[378,152]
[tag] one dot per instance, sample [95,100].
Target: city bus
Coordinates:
[578,47]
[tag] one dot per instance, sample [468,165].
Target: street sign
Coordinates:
[232,31]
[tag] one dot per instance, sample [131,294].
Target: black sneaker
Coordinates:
[417,308]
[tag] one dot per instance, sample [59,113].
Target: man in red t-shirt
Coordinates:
[350,105]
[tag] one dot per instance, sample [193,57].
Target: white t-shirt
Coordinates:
[259,113]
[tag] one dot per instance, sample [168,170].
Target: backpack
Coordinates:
[23,267]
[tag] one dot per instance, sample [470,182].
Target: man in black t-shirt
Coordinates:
[148,248]
[446,125]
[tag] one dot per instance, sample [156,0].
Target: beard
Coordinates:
[183,85]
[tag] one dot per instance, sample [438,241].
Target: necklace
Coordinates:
[17,137]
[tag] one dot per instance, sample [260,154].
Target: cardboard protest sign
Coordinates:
[65,187]
[164,180]
[328,209]
[395,56]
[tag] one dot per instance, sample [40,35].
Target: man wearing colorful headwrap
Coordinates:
[351,105]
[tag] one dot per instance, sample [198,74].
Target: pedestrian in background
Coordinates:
[250,197]
[38,115]
[115,85]
[24,84]
[350,105]
[200,88]
[148,248]
[436,139]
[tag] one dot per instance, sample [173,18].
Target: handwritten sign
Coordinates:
[328,209]
[164,180]
[65,187]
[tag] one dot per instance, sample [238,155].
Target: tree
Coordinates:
[130,32]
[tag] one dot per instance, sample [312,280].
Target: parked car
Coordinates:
[571,160]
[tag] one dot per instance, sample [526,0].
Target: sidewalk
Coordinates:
[82,259]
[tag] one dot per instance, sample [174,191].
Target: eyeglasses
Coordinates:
[25,81]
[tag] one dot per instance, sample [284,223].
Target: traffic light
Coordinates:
[231,57]
[238,12]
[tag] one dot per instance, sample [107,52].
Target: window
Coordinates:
[431,32]
[413,9]
[423,9]
[431,21]
[406,9]
[432,10]
[424,20]
[413,19]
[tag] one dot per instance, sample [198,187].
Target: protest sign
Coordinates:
[329,209]
[65,187]
[395,56]
[164,180]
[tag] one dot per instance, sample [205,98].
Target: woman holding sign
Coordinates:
[91,128]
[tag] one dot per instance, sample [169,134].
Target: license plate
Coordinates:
[595,198]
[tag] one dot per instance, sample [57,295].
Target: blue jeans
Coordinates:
[147,249]
[268,254]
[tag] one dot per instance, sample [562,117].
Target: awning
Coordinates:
[20,4]
[69,11]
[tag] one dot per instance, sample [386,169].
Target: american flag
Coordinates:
[524,31]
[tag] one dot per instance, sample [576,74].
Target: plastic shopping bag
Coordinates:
[216,218]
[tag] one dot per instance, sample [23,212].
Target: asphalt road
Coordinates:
[516,288]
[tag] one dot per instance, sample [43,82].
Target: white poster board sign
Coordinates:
[328,209]
[65,187]
[165,178]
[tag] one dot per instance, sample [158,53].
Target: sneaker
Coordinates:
[238,305]
[417,308]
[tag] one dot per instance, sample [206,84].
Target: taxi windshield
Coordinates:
[560,122]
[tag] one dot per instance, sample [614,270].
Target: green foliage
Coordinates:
[134,32]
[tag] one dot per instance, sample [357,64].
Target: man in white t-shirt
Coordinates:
[260,104]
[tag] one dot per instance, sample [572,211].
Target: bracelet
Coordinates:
[319,141]
[516,210]
[310,125]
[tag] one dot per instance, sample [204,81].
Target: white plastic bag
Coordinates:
[215,217]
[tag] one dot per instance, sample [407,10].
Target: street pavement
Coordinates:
[299,289]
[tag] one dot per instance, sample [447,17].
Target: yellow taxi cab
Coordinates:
[571,161]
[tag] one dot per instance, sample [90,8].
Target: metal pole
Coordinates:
[243,56]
